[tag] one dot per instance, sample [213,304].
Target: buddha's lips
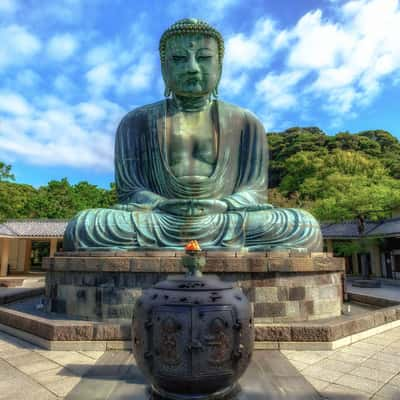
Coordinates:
[193,81]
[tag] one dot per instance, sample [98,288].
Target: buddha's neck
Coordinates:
[191,104]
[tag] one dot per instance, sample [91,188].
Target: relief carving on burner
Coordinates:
[169,353]
[219,342]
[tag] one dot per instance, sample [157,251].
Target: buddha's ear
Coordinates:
[167,90]
[214,92]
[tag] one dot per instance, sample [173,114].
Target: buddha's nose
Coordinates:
[192,65]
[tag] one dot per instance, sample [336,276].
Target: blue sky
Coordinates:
[70,70]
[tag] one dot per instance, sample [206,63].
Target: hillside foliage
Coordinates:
[336,177]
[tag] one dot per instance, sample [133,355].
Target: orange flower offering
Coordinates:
[193,245]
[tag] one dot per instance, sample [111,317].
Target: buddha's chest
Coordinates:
[192,145]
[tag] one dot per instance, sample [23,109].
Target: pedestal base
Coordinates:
[283,287]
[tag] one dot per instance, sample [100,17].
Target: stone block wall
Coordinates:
[282,287]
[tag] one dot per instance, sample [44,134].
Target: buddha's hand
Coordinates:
[132,207]
[188,208]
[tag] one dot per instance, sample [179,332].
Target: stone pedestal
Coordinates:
[283,286]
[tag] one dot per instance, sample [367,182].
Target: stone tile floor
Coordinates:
[369,369]
[389,292]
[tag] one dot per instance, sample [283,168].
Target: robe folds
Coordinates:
[144,179]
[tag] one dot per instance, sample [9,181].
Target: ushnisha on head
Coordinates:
[191,54]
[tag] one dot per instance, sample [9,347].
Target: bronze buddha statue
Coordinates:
[192,166]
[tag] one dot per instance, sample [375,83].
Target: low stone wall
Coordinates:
[284,287]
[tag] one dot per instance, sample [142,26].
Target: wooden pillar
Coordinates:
[53,247]
[28,251]
[5,251]
[329,245]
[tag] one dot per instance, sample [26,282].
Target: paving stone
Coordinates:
[335,365]
[94,389]
[389,392]
[20,387]
[317,383]
[6,371]
[308,357]
[129,390]
[391,358]
[35,367]
[24,359]
[78,363]
[373,374]
[368,386]
[396,380]
[338,392]
[13,352]
[92,354]
[367,347]
[52,375]
[382,365]
[348,357]
[299,365]
[62,387]
[361,352]
[377,339]
[323,374]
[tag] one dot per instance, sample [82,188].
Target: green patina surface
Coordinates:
[191,166]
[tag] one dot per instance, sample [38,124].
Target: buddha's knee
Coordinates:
[79,225]
[304,217]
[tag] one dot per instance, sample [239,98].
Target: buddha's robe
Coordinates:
[144,178]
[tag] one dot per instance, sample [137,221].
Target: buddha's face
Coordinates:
[191,65]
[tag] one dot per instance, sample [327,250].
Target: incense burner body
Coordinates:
[193,336]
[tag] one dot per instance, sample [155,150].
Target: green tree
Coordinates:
[16,200]
[55,200]
[5,172]
[60,199]
[341,185]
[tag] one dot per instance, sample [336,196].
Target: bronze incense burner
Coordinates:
[193,335]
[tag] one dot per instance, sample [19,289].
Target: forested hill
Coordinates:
[334,177]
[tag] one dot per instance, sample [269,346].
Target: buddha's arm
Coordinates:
[246,200]
[251,189]
[134,189]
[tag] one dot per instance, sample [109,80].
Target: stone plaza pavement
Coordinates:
[368,369]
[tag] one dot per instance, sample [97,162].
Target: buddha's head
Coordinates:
[191,53]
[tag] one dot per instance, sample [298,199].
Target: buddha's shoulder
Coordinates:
[143,111]
[234,110]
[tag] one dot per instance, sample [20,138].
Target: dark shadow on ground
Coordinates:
[270,376]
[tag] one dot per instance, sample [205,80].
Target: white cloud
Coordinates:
[252,51]
[12,103]
[8,6]
[62,46]
[349,59]
[249,52]
[56,133]
[234,85]
[139,76]
[101,78]
[64,84]
[277,90]
[90,112]
[17,45]
[208,10]
[60,11]
[101,54]
[318,44]
[28,78]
